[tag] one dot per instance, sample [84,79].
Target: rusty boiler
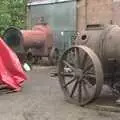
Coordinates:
[37,42]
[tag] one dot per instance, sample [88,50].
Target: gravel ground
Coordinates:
[42,99]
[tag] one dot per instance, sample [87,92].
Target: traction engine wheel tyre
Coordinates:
[80,75]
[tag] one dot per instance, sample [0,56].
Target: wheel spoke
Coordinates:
[80,92]
[74,57]
[85,89]
[70,57]
[74,88]
[84,60]
[88,68]
[88,83]
[69,82]
[67,74]
[91,78]
[67,64]
[78,57]
[90,75]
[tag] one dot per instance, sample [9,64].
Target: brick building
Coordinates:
[116,12]
[77,14]
[93,12]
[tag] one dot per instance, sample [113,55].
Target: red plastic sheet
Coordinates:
[11,73]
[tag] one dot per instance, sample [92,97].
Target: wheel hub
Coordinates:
[79,73]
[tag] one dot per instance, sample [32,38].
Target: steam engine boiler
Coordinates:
[34,44]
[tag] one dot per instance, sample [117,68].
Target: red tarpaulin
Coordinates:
[11,73]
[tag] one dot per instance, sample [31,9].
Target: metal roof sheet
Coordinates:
[38,2]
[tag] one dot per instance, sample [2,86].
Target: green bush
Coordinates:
[12,13]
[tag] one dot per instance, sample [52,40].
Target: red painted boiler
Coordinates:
[37,42]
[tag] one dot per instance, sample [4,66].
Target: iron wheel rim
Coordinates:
[78,84]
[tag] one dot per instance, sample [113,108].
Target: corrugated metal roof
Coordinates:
[37,2]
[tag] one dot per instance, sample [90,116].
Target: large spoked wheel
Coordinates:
[30,58]
[80,75]
[53,56]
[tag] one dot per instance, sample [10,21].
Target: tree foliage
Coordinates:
[12,13]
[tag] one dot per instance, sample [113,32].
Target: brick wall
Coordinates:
[94,12]
[116,12]
[81,21]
